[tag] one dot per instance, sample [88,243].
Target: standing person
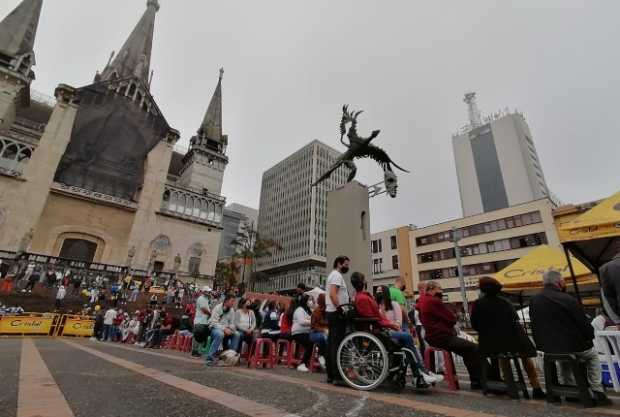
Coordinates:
[201,321]
[223,330]
[610,287]
[245,322]
[439,322]
[32,280]
[108,324]
[397,294]
[98,329]
[499,331]
[559,325]
[337,295]
[135,291]
[60,296]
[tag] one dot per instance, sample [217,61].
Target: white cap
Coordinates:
[206,288]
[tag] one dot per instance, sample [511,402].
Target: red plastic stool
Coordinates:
[257,357]
[283,347]
[295,357]
[315,365]
[450,375]
[245,352]
[185,344]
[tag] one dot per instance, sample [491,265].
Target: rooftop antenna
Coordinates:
[472,109]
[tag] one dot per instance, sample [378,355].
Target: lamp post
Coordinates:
[457,235]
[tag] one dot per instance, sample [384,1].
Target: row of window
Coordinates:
[485,247]
[468,270]
[377,245]
[482,228]
[377,264]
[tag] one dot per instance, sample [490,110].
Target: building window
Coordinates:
[395,262]
[393,243]
[376,246]
[194,266]
[377,266]
[78,249]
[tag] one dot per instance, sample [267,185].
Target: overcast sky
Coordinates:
[290,65]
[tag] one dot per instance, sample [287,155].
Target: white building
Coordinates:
[496,162]
[294,214]
[385,257]
[491,241]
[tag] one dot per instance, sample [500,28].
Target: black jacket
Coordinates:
[498,327]
[610,283]
[559,323]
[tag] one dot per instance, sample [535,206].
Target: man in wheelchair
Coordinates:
[379,349]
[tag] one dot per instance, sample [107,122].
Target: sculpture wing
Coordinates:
[379,155]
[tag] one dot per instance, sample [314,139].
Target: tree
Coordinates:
[250,246]
[226,273]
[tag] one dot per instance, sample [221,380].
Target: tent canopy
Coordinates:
[527,272]
[592,237]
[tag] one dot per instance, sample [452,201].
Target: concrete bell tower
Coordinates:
[206,160]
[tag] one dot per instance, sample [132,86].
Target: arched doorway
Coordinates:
[78,249]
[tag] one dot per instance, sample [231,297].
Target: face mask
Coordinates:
[344,269]
[439,295]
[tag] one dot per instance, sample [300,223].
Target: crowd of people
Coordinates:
[221,323]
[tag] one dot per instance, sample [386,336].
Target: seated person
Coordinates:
[299,314]
[166,329]
[271,322]
[318,327]
[559,325]
[439,322]
[367,307]
[245,322]
[223,329]
[499,331]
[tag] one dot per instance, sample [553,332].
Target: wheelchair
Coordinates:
[367,356]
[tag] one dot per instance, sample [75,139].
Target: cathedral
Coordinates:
[92,176]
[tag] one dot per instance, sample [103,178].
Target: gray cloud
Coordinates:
[290,65]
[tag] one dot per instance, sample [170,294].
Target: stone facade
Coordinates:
[167,218]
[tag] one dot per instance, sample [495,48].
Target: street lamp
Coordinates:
[457,235]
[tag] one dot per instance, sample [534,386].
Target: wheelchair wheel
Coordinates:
[362,361]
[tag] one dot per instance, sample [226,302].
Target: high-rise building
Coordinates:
[496,161]
[294,214]
[235,218]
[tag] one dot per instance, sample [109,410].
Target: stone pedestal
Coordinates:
[348,229]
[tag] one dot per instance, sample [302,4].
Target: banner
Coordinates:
[78,327]
[25,325]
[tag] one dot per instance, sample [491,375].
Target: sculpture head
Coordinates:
[391,183]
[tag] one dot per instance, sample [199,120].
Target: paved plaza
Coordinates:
[76,377]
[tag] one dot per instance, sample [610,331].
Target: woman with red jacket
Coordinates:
[438,322]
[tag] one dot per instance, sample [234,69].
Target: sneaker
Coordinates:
[302,368]
[322,361]
[438,378]
[420,383]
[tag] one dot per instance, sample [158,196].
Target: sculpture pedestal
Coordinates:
[348,229]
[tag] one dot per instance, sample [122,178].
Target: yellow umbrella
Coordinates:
[602,220]
[527,272]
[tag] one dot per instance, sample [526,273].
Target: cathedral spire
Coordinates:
[134,58]
[211,125]
[19,28]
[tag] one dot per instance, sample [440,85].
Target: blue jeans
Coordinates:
[218,337]
[108,332]
[320,338]
[405,339]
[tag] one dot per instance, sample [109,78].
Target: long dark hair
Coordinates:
[384,298]
[301,301]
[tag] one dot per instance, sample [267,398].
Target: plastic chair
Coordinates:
[450,375]
[283,347]
[509,385]
[261,353]
[609,340]
[315,365]
[295,357]
[555,389]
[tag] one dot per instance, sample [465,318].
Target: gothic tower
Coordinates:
[206,160]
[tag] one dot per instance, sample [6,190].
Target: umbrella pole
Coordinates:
[572,274]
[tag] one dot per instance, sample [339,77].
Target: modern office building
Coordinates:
[294,214]
[490,242]
[496,162]
[234,219]
[391,257]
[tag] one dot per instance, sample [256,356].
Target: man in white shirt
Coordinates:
[108,324]
[60,295]
[201,321]
[337,295]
